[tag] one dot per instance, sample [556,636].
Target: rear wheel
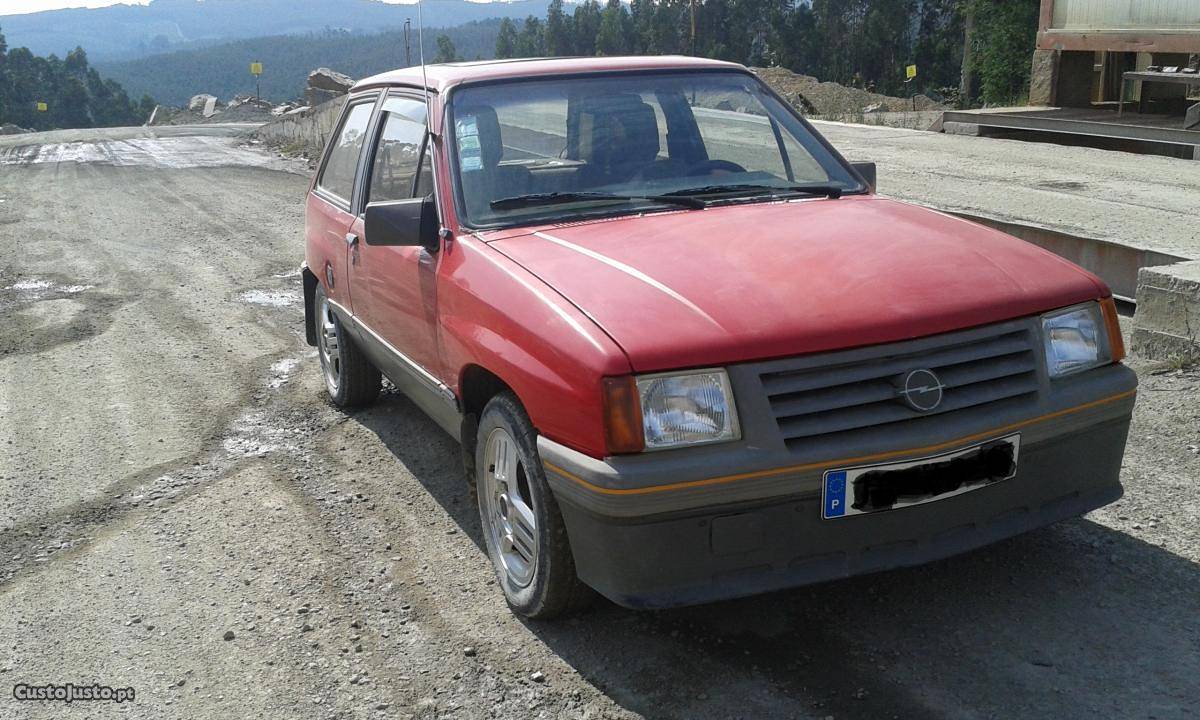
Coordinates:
[522,526]
[350,377]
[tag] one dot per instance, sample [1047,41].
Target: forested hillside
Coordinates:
[40,93]
[224,70]
[866,43]
[123,32]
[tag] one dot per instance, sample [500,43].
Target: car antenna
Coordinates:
[424,77]
[442,231]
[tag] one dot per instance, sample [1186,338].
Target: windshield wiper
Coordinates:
[556,198]
[751,189]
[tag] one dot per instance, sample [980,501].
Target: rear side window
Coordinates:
[337,178]
[399,150]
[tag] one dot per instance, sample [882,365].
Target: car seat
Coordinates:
[618,138]
[480,150]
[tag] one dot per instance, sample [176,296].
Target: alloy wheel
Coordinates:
[329,347]
[508,508]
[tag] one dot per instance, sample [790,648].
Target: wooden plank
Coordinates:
[1177,42]
[1046,17]
[1162,77]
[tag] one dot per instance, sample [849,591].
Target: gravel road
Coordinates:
[182,512]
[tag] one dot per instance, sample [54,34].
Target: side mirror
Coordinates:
[403,222]
[866,170]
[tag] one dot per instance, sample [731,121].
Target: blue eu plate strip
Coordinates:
[835,494]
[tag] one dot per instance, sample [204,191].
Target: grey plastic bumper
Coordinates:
[662,530]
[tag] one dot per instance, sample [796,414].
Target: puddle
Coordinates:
[162,152]
[253,434]
[35,289]
[272,298]
[282,370]
[29,285]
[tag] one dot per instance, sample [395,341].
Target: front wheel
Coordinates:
[522,526]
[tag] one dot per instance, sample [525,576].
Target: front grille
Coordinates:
[829,400]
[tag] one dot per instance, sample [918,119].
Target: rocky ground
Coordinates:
[183,512]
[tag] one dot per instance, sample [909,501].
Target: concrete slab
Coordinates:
[1167,324]
[1142,202]
[960,128]
[1128,218]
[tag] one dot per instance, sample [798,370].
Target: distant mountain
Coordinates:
[131,31]
[224,69]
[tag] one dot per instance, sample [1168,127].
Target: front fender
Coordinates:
[496,315]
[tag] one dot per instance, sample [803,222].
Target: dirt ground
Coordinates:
[183,512]
[833,101]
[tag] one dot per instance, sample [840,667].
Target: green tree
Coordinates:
[146,107]
[587,25]
[666,28]
[559,40]
[506,39]
[3,84]
[641,12]
[446,53]
[531,42]
[74,93]
[76,63]
[612,36]
[1002,52]
[937,51]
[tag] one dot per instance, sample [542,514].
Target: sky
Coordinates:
[16,7]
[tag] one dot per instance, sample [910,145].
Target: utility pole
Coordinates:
[693,4]
[964,87]
[407,50]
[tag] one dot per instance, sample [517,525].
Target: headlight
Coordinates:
[1076,339]
[687,409]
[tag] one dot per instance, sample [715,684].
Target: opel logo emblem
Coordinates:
[922,390]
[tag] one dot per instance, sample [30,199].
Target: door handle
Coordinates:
[351,239]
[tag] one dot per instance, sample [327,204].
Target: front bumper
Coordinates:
[685,527]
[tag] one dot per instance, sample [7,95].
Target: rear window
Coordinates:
[338,176]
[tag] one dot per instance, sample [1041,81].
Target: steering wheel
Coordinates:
[709,167]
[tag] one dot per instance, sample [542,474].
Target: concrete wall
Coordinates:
[305,132]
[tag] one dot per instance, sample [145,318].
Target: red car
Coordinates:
[689,353]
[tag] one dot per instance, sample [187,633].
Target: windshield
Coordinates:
[534,151]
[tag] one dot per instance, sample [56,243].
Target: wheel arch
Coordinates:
[476,386]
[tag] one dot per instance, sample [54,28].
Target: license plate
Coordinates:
[892,486]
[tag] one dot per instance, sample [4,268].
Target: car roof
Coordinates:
[443,76]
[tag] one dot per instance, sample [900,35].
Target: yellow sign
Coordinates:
[42,107]
[910,71]
[256,68]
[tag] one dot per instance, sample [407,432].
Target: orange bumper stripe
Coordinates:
[838,462]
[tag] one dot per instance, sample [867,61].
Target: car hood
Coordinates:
[734,283]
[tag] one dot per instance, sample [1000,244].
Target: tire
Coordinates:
[534,566]
[350,378]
